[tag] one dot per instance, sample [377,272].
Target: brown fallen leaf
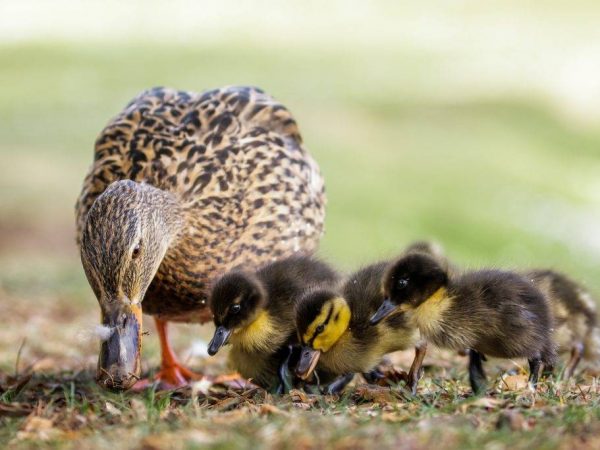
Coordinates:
[376,394]
[266,409]
[112,409]
[298,396]
[228,403]
[513,382]
[488,403]
[138,408]
[15,409]
[36,427]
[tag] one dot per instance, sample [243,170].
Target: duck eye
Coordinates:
[402,283]
[320,329]
[235,308]
[136,251]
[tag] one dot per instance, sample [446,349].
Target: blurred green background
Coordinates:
[475,124]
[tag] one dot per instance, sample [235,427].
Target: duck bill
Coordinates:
[308,361]
[119,360]
[220,338]
[386,308]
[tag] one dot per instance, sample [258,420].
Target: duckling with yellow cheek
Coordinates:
[490,312]
[333,327]
[254,311]
[573,308]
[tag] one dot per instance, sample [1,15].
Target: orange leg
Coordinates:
[172,374]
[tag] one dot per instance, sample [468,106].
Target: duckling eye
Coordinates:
[235,308]
[402,283]
[136,251]
[320,329]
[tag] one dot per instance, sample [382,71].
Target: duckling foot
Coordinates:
[385,375]
[169,377]
[234,381]
[339,384]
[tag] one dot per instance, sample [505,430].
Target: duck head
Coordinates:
[408,283]
[236,301]
[127,233]
[322,317]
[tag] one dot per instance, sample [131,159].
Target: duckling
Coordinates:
[254,311]
[575,319]
[433,249]
[573,308]
[490,312]
[334,331]
[184,186]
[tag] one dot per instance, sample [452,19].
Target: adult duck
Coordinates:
[185,186]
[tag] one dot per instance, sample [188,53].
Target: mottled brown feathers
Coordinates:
[231,164]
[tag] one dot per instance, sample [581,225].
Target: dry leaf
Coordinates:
[266,409]
[36,427]
[376,394]
[112,409]
[15,409]
[483,402]
[228,403]
[139,409]
[513,382]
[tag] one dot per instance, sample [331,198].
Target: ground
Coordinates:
[438,139]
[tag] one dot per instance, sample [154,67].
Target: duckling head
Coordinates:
[409,282]
[236,300]
[124,240]
[322,317]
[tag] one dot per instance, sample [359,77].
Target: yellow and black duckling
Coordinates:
[573,308]
[185,186]
[254,311]
[334,331]
[435,250]
[575,318]
[490,312]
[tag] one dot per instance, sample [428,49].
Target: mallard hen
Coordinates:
[183,187]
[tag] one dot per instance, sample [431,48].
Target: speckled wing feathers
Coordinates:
[234,157]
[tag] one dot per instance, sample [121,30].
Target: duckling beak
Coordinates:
[119,360]
[220,338]
[308,361]
[386,308]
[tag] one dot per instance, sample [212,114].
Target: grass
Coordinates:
[502,179]
[70,411]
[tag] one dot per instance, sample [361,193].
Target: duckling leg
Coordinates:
[416,369]
[171,374]
[477,376]
[374,376]
[283,373]
[338,385]
[576,354]
[535,364]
